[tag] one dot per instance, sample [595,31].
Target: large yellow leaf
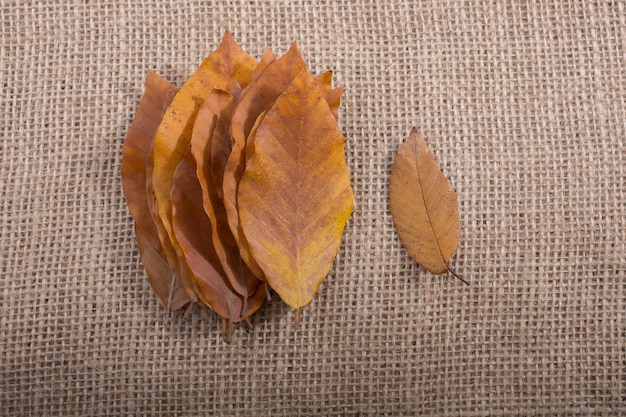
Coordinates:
[167,287]
[295,196]
[256,99]
[424,206]
[221,69]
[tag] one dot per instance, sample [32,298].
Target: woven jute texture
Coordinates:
[522,104]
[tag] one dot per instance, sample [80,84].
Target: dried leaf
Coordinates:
[193,230]
[295,195]
[244,150]
[159,94]
[221,142]
[331,95]
[424,206]
[256,99]
[240,277]
[168,289]
[221,69]
[267,58]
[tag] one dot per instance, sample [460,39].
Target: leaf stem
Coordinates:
[244,306]
[297,317]
[227,330]
[186,315]
[454,274]
[170,295]
[248,324]
[268,294]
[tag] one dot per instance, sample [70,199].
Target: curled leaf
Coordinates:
[159,94]
[218,104]
[295,196]
[424,206]
[193,232]
[221,142]
[229,63]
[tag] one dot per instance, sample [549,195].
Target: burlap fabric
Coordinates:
[522,104]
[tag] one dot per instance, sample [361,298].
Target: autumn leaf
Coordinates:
[159,94]
[256,99]
[210,283]
[217,106]
[221,69]
[424,206]
[168,289]
[295,196]
[331,95]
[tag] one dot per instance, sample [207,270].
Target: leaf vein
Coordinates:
[423,198]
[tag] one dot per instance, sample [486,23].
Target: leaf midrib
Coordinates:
[428,215]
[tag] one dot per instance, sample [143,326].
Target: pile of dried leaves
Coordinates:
[238,182]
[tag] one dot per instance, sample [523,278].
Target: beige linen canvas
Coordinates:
[522,104]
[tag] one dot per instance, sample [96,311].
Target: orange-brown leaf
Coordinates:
[222,143]
[168,289]
[239,276]
[159,94]
[424,206]
[331,95]
[270,84]
[295,195]
[193,232]
[221,69]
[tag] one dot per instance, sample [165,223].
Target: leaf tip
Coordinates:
[228,43]
[268,54]
[268,294]
[293,49]
[227,36]
[151,74]
[416,136]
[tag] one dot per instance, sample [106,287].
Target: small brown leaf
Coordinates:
[423,206]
